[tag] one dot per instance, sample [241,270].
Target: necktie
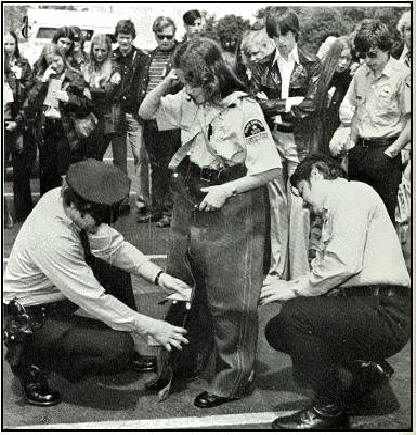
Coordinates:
[86,245]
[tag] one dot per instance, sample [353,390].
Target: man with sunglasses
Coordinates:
[380,92]
[340,321]
[160,145]
[51,273]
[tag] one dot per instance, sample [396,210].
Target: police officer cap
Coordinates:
[98,182]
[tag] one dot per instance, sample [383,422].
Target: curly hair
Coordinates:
[203,65]
[373,33]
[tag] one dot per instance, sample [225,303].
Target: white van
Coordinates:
[43,24]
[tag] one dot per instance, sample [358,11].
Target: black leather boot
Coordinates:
[316,417]
[36,388]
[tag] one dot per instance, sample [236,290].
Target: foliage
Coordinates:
[231,27]
[318,22]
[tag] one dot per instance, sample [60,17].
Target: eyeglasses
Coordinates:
[168,37]
[77,39]
[371,54]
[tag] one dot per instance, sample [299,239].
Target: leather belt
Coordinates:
[386,291]
[40,310]
[211,176]
[375,142]
[283,128]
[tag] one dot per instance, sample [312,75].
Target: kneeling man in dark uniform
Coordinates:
[342,320]
[56,267]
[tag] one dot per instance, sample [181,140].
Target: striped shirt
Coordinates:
[158,69]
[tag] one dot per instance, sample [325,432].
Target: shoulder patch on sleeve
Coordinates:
[253,128]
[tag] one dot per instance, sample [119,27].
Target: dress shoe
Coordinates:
[37,391]
[144,363]
[206,400]
[313,418]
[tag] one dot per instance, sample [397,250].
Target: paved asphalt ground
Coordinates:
[121,402]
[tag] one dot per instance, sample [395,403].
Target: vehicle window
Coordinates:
[46,32]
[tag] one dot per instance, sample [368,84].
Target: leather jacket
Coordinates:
[133,78]
[266,78]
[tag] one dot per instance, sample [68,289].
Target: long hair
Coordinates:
[65,32]
[203,65]
[16,46]
[329,65]
[102,70]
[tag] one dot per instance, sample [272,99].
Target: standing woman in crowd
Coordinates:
[16,142]
[57,97]
[104,80]
[227,156]
[81,58]
[64,38]
[335,78]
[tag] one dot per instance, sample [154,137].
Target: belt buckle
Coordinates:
[203,171]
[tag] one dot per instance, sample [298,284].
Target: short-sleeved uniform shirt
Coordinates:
[220,136]
[382,103]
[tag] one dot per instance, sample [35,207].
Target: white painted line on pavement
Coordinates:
[36,194]
[221,420]
[149,257]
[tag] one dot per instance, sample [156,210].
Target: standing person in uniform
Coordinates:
[226,159]
[131,63]
[17,140]
[284,84]
[160,145]
[340,321]
[380,127]
[48,277]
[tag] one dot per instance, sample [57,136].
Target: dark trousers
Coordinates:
[226,248]
[97,143]
[55,155]
[22,162]
[323,333]
[75,346]
[370,165]
[160,147]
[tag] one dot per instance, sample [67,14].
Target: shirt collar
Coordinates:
[333,190]
[294,54]
[388,70]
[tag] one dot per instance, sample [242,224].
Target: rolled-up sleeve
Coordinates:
[61,259]
[109,245]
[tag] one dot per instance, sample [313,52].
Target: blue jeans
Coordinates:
[226,247]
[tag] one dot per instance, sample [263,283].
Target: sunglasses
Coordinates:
[168,37]
[372,54]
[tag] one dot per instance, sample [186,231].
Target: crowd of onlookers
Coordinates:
[72,104]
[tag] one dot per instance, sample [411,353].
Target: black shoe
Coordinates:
[36,389]
[144,363]
[206,400]
[312,418]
